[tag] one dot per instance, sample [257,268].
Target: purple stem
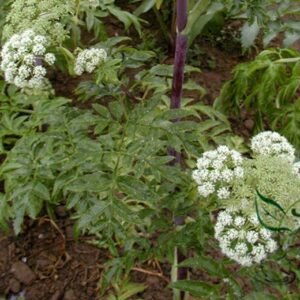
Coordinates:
[178,75]
[178,78]
[182,15]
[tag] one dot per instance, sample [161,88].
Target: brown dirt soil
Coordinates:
[46,262]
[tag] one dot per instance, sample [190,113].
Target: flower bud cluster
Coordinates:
[242,239]
[88,60]
[272,144]
[216,170]
[22,59]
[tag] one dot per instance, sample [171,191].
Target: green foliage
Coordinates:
[4,9]
[91,15]
[269,87]
[271,17]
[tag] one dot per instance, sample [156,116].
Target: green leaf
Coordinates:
[145,6]
[69,58]
[90,183]
[200,15]
[196,288]
[212,266]
[41,191]
[101,110]
[93,215]
[126,18]
[249,33]
[270,201]
[90,20]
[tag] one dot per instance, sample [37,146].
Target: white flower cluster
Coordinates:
[242,239]
[273,144]
[215,171]
[22,57]
[87,60]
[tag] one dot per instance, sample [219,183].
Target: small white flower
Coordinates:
[265,233]
[241,248]
[206,189]
[39,39]
[239,221]
[24,72]
[253,219]
[271,246]
[227,175]
[252,236]
[39,71]
[50,58]
[38,49]
[225,218]
[223,193]
[238,172]
[29,59]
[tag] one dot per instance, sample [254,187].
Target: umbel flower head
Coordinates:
[216,170]
[272,144]
[22,59]
[242,238]
[88,60]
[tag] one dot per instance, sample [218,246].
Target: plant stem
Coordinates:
[174,275]
[177,84]
[178,75]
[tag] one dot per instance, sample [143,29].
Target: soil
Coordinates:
[46,262]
